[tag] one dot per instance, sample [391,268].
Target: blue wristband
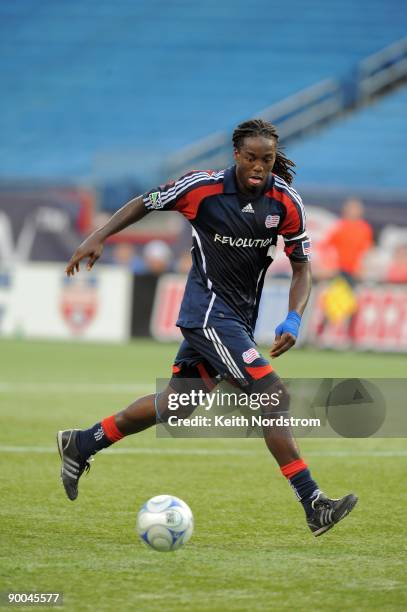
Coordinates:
[290,325]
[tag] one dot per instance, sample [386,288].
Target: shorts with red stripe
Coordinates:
[227,351]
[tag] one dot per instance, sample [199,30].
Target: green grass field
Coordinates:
[251,549]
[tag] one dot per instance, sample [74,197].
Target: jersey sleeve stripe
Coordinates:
[298,237]
[172,192]
[186,183]
[177,189]
[279,183]
[300,207]
[293,222]
[296,196]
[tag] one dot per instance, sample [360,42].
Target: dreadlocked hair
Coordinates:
[283,166]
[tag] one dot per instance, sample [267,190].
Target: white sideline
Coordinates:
[67,387]
[204,452]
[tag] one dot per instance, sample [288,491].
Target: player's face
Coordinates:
[254,160]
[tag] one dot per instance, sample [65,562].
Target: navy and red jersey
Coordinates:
[234,241]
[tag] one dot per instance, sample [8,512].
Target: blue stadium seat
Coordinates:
[364,150]
[87,84]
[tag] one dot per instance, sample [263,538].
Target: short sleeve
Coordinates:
[297,245]
[186,193]
[166,197]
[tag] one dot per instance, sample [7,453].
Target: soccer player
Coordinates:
[236,216]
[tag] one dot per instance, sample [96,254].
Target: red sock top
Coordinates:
[293,468]
[111,430]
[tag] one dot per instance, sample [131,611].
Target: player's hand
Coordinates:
[281,344]
[286,334]
[90,249]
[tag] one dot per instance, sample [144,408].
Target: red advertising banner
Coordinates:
[167,302]
[379,323]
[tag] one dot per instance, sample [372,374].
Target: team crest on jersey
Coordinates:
[272,221]
[250,355]
[155,200]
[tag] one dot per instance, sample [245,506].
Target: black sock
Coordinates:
[305,488]
[299,477]
[90,441]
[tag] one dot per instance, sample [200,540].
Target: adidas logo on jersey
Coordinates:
[248,208]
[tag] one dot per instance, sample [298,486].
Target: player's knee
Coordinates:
[259,384]
[273,387]
[280,395]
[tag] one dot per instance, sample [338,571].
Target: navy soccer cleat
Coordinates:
[327,512]
[73,464]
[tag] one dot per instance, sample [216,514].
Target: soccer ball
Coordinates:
[165,523]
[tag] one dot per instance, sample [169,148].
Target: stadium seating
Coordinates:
[96,88]
[363,151]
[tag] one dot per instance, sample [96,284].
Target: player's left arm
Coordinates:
[300,289]
[297,247]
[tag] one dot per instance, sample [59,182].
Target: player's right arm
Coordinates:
[92,248]
[175,195]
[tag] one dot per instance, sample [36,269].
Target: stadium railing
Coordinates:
[382,70]
[308,109]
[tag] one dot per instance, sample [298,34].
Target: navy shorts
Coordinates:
[227,351]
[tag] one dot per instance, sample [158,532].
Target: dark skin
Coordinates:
[255,159]
[300,290]
[92,248]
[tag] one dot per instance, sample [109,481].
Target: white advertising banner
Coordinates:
[379,323]
[40,301]
[273,310]
[7,282]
